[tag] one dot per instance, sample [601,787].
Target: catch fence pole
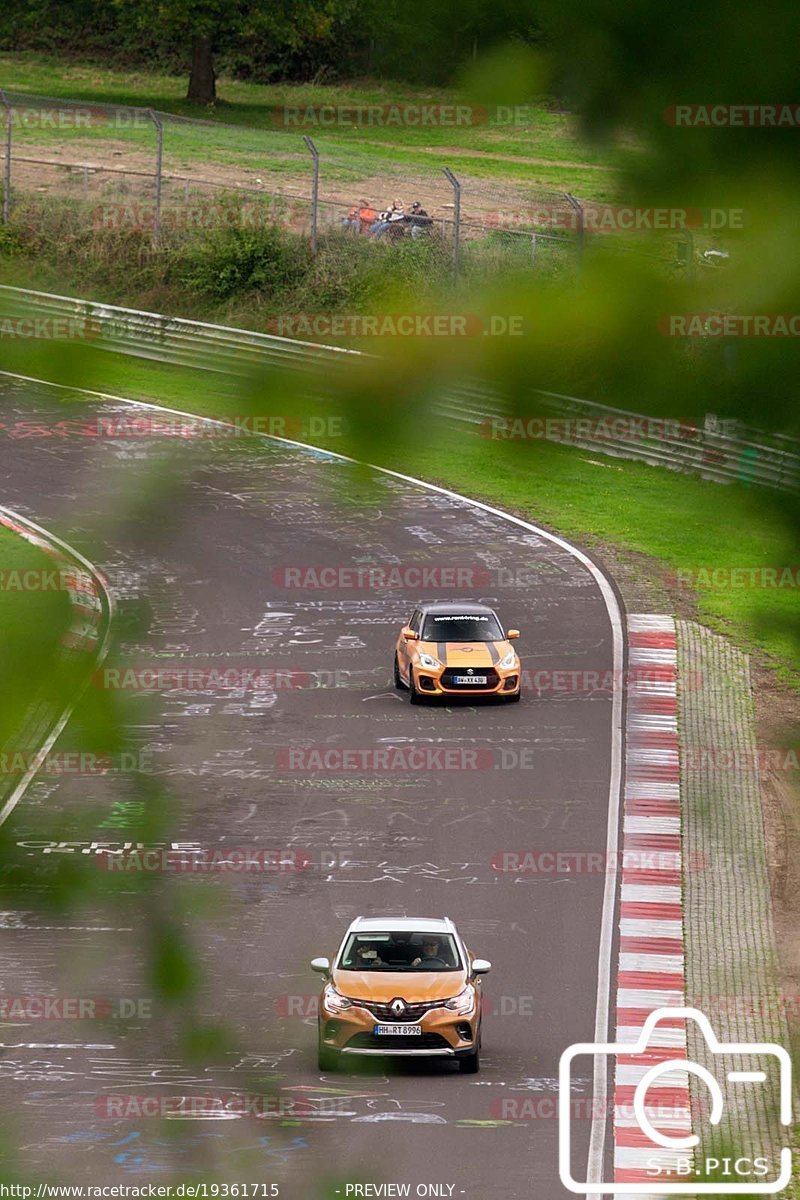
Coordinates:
[7,168]
[314,191]
[456,186]
[156,119]
[580,234]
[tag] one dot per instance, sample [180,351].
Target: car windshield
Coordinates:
[462,627]
[400,951]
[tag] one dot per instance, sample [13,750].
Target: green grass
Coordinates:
[650,520]
[539,151]
[31,624]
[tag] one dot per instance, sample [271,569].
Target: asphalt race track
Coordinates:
[206,575]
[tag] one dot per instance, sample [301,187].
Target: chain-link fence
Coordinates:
[136,167]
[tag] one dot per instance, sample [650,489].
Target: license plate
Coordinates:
[471,679]
[396,1030]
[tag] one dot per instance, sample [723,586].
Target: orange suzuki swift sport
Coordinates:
[456,650]
[405,987]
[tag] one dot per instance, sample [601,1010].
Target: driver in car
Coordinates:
[430,955]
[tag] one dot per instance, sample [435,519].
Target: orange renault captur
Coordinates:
[456,650]
[401,986]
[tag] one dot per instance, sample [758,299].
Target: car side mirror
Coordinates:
[481,966]
[410,634]
[512,633]
[321,965]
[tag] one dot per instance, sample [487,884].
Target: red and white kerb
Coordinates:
[651,961]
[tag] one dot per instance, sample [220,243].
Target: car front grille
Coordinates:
[413,1012]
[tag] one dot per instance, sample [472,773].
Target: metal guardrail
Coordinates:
[715,453]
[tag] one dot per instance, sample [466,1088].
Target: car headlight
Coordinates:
[334,1000]
[464,1002]
[429,662]
[509,661]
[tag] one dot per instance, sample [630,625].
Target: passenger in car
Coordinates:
[367,957]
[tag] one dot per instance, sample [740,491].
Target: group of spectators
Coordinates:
[363,218]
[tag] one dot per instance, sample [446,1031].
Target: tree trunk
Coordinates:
[203,81]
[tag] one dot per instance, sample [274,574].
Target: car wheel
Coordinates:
[327,1059]
[413,694]
[398,679]
[513,699]
[470,1064]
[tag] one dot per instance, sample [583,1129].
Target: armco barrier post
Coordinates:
[580,233]
[314,190]
[7,168]
[456,186]
[154,117]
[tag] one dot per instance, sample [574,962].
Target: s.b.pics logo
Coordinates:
[656,1138]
